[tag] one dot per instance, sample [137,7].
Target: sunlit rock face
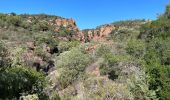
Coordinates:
[65,22]
[98,34]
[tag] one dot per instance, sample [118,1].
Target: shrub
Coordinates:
[4,56]
[136,48]
[103,50]
[14,20]
[48,40]
[101,88]
[26,25]
[65,46]
[139,86]
[157,55]
[42,26]
[110,65]
[73,64]
[158,67]
[17,80]
[65,32]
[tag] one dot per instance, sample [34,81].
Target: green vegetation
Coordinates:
[4,60]
[17,80]
[73,64]
[105,90]
[136,48]
[41,60]
[157,55]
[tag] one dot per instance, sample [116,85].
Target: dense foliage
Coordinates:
[72,64]
[40,60]
[157,36]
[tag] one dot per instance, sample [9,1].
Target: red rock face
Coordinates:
[98,34]
[105,31]
[65,22]
[68,24]
[91,35]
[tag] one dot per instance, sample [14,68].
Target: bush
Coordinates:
[65,46]
[136,48]
[48,40]
[14,20]
[42,26]
[110,65]
[65,32]
[17,80]
[101,88]
[73,64]
[4,56]
[157,59]
[26,25]
[157,55]
[139,86]
[103,50]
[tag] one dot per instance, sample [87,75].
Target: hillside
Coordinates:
[45,57]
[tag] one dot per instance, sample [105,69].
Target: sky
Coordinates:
[88,13]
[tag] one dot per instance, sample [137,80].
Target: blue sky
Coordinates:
[88,13]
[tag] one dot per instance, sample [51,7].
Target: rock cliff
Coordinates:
[97,34]
[84,35]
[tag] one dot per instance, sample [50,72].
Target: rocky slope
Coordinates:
[84,35]
[75,64]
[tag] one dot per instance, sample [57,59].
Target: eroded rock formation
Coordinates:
[97,34]
[65,22]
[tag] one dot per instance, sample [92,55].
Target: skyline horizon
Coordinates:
[90,13]
[75,20]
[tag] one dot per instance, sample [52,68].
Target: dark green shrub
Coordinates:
[17,80]
[157,55]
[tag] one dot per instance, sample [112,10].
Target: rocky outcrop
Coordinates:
[65,22]
[97,34]
[106,30]
[67,25]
